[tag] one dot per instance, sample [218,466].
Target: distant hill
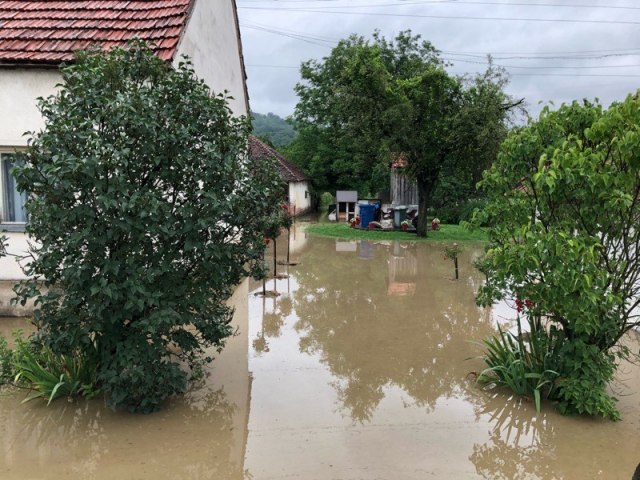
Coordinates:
[273,127]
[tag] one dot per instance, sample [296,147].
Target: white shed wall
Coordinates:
[297,193]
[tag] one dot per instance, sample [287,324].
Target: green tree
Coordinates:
[564,207]
[147,211]
[369,99]
[272,128]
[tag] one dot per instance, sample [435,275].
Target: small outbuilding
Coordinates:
[404,189]
[298,193]
[347,201]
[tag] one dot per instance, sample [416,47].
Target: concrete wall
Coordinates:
[211,41]
[297,193]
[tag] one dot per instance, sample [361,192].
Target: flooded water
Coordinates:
[359,369]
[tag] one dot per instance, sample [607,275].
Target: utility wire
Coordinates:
[449,17]
[574,55]
[531,74]
[448,3]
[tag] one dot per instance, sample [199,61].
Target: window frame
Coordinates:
[6,226]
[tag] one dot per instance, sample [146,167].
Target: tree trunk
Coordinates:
[424,201]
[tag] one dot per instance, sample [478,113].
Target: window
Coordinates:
[12,201]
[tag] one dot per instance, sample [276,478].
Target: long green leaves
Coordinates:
[52,376]
[520,363]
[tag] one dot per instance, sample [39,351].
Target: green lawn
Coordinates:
[447,233]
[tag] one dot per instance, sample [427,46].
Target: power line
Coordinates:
[558,55]
[531,74]
[451,17]
[457,2]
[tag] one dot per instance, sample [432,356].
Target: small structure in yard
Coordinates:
[347,201]
[404,189]
[298,195]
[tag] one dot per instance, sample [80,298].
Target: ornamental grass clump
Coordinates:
[563,207]
[49,375]
[522,362]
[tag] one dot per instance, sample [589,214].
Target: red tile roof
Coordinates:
[48,32]
[288,171]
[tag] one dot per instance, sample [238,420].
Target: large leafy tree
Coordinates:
[564,209]
[147,211]
[370,99]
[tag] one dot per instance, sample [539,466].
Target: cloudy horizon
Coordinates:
[555,51]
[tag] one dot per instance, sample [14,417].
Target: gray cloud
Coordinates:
[271,87]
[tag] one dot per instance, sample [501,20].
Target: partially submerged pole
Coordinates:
[275,259]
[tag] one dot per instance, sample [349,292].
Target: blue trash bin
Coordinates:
[367,214]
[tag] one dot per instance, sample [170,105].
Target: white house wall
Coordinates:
[211,40]
[299,196]
[19,89]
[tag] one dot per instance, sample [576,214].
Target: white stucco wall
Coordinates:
[19,89]
[297,196]
[211,41]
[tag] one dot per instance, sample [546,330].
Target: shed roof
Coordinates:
[349,196]
[288,171]
[48,32]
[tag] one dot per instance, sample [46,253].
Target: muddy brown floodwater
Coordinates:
[358,370]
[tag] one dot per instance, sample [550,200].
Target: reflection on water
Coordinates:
[396,321]
[366,376]
[357,370]
[199,436]
[192,439]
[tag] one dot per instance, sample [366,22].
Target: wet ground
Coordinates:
[357,370]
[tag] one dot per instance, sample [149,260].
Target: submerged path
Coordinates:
[357,370]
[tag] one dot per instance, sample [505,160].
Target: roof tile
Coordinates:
[48,32]
[288,171]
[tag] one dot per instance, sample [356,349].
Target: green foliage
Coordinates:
[147,211]
[3,246]
[368,100]
[326,199]
[272,128]
[461,212]
[6,362]
[522,363]
[51,375]
[452,251]
[563,207]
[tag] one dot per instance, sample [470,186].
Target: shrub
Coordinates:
[6,362]
[148,211]
[562,212]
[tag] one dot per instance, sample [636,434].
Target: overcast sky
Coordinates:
[555,50]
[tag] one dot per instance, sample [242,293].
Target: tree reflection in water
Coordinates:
[524,444]
[193,438]
[385,316]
